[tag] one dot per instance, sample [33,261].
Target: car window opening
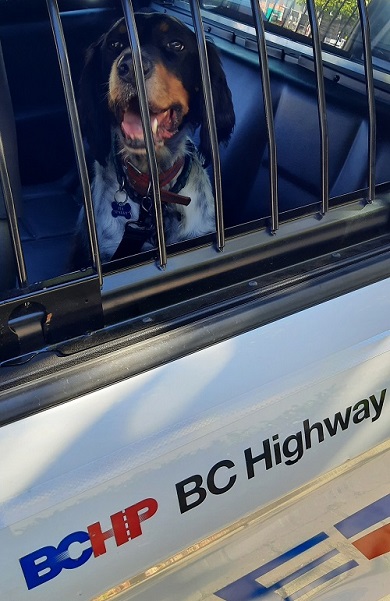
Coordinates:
[307,149]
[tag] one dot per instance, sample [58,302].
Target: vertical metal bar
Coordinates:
[63,61]
[5,176]
[145,118]
[322,115]
[369,73]
[269,117]
[208,99]
[12,217]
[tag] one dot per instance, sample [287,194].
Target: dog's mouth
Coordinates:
[164,124]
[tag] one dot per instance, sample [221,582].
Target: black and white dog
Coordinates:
[113,128]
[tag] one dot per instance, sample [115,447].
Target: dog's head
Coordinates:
[173,86]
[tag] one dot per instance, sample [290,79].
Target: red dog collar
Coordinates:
[140,182]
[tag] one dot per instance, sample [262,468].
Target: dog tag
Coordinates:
[121,209]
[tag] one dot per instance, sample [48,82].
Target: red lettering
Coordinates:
[141,511]
[98,538]
[120,527]
[126,525]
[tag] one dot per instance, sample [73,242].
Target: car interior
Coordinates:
[41,142]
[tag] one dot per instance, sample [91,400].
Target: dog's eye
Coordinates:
[175,46]
[116,45]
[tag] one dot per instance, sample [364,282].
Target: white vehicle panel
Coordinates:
[191,447]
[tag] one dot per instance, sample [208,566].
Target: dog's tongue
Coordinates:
[132,126]
[161,126]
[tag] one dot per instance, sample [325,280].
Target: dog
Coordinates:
[111,123]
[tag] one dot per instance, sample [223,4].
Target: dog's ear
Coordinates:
[223,105]
[94,114]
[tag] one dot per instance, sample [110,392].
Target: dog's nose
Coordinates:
[126,68]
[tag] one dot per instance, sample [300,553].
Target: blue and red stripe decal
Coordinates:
[373,542]
[377,542]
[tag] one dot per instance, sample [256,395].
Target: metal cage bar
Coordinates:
[145,118]
[8,182]
[12,217]
[369,78]
[266,85]
[208,99]
[63,60]
[322,115]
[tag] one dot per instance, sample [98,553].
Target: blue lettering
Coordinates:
[40,566]
[46,563]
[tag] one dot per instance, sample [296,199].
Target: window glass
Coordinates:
[339,24]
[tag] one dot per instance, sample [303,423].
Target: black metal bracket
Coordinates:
[30,323]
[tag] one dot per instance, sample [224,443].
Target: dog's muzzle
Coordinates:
[167,99]
[125,68]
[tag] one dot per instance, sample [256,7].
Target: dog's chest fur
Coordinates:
[180,223]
